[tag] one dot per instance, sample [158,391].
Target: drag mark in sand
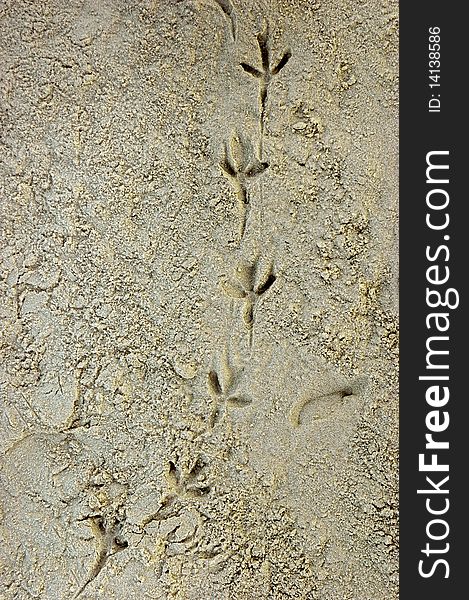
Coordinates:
[329,402]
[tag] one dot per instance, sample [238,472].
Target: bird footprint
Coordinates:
[249,284]
[223,387]
[265,74]
[239,163]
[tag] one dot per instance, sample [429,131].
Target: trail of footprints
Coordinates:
[250,282]
[241,163]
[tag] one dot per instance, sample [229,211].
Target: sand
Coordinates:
[199,312]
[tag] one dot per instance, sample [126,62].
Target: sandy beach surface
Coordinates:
[198,303]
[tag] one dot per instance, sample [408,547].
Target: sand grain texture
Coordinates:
[198,220]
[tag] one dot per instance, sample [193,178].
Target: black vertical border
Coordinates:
[421,132]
